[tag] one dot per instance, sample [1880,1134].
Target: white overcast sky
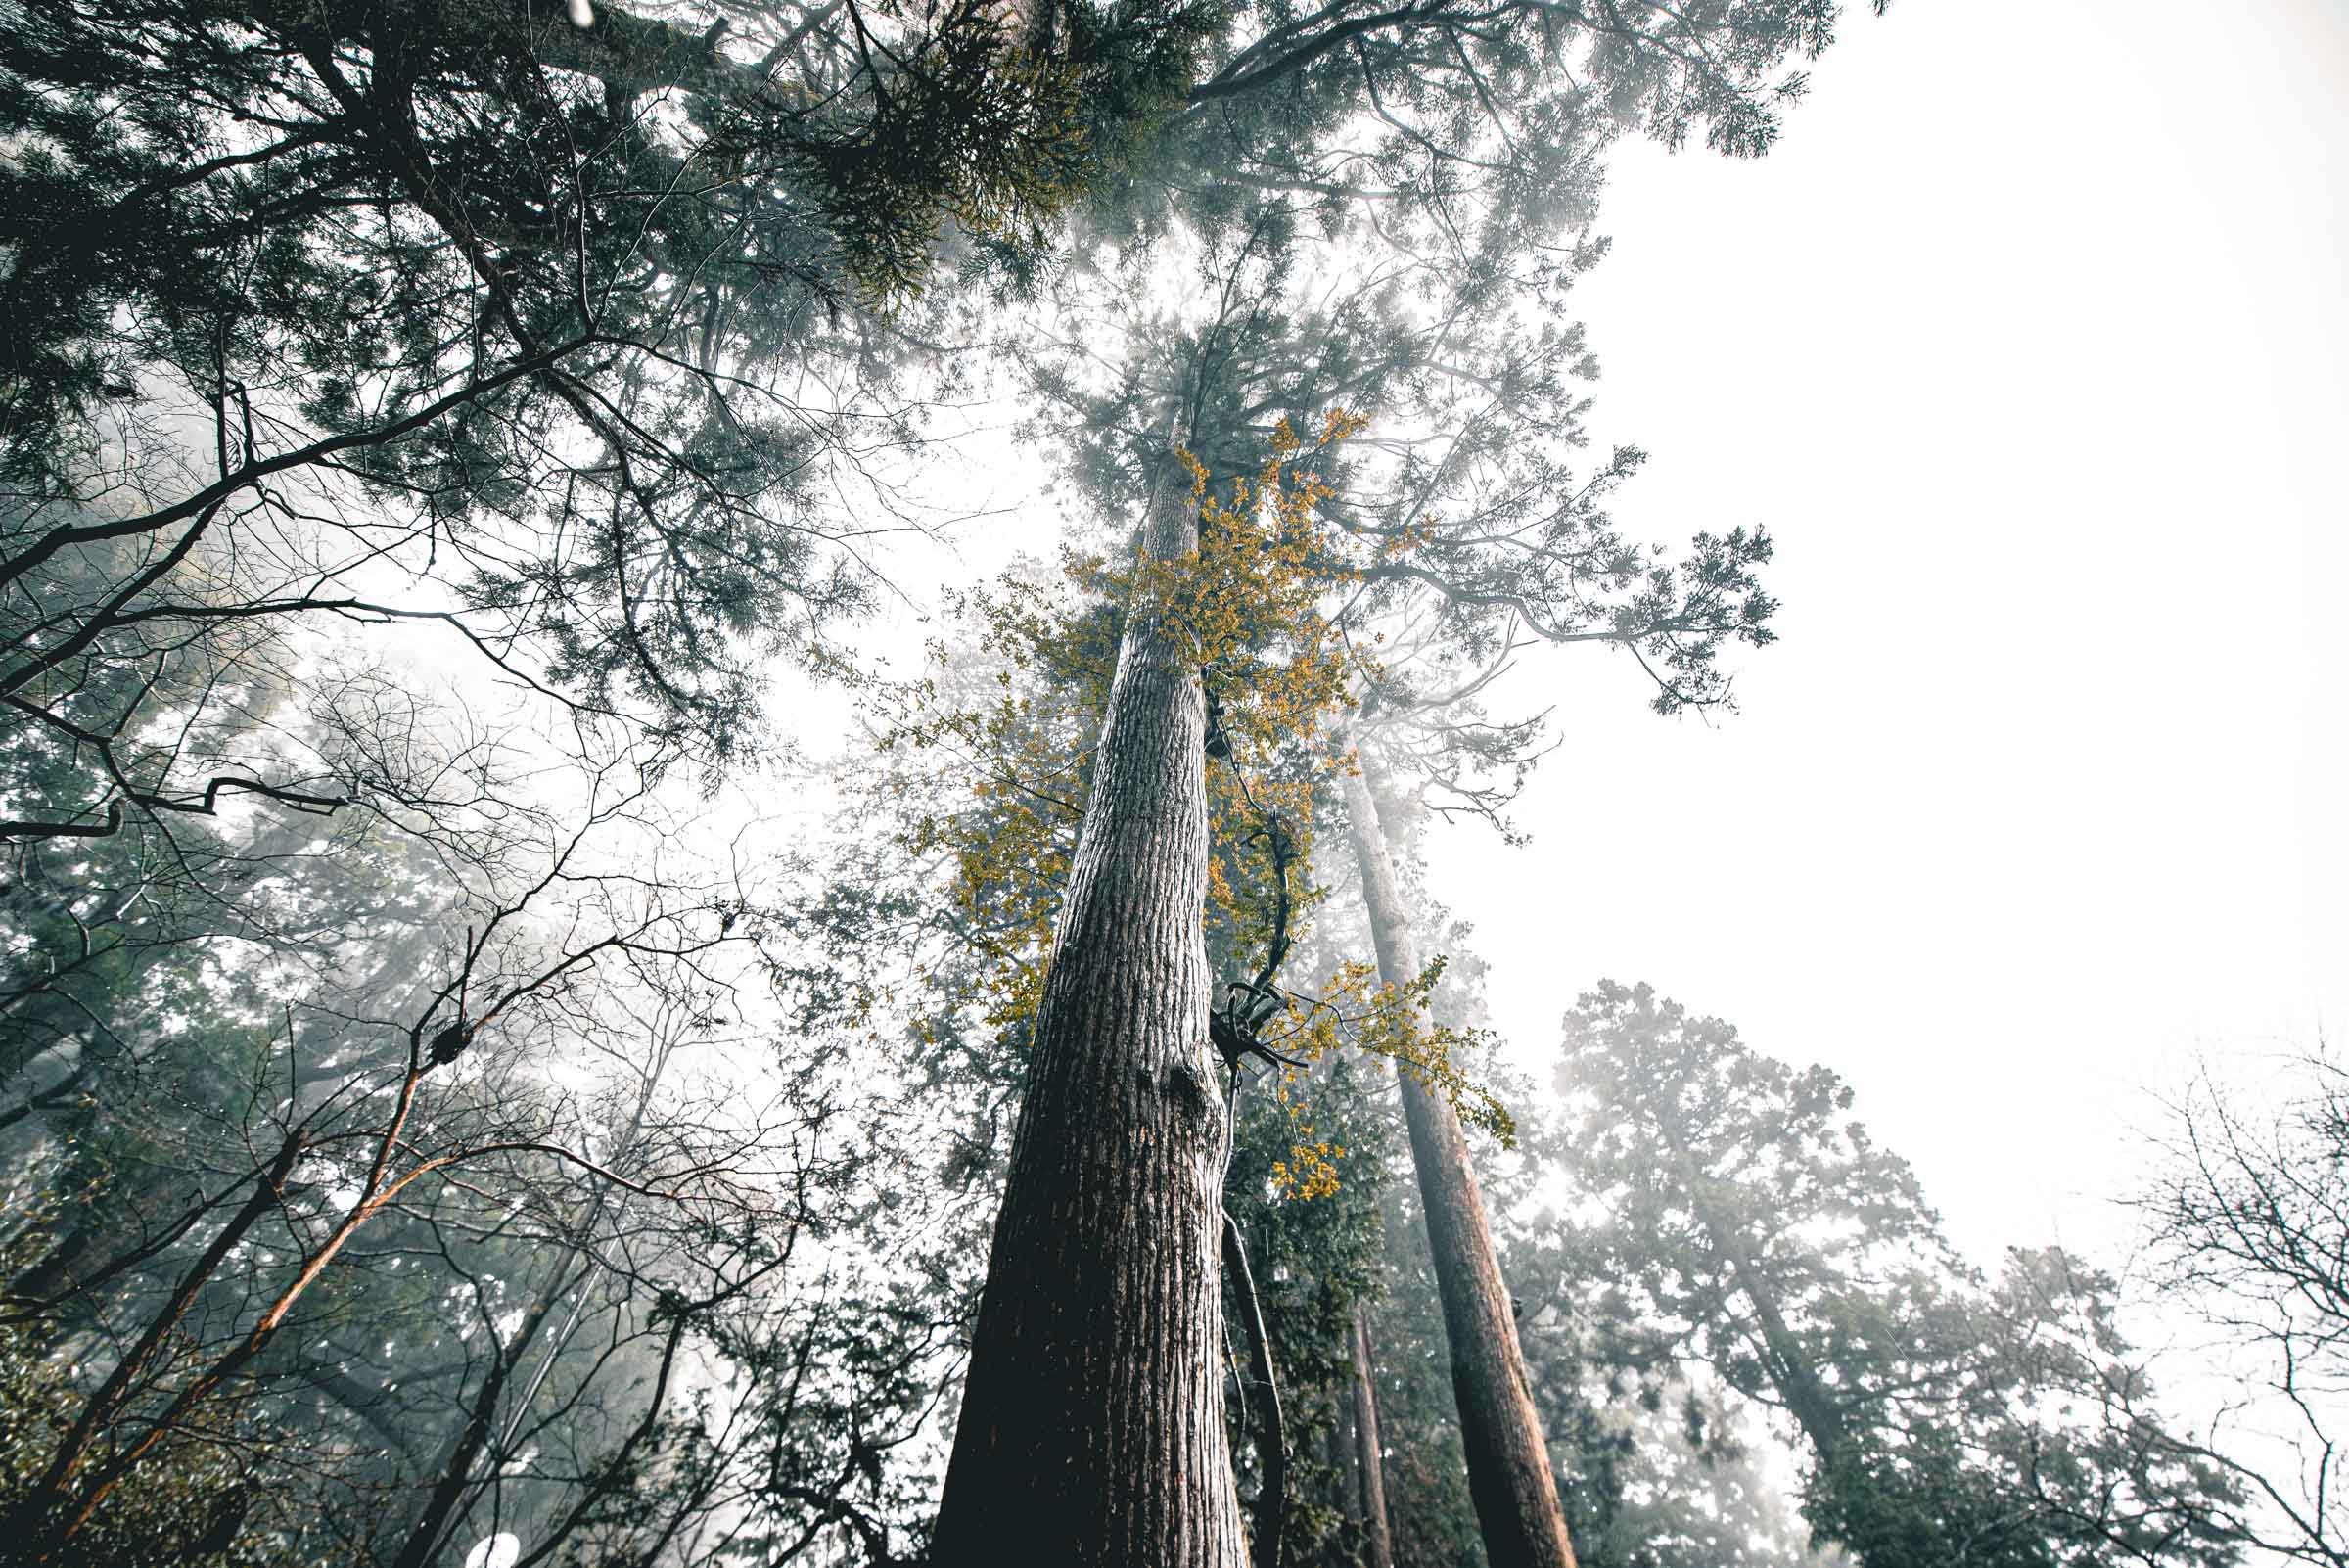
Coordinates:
[2028,346]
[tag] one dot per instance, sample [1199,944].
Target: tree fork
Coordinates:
[1809,1400]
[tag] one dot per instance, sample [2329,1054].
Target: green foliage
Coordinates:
[1397,1024]
[218,1503]
[1240,609]
[397,312]
[1248,610]
[419,316]
[1667,1482]
[1316,1256]
[969,129]
[1468,526]
[1472,128]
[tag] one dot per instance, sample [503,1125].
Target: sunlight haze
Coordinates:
[2028,346]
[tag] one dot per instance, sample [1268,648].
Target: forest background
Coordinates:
[2023,338]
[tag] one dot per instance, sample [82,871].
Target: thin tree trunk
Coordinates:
[369,1402]
[1378,1540]
[1270,1514]
[1091,1433]
[465,1452]
[456,1471]
[613,1471]
[1337,1455]
[1807,1400]
[1811,1403]
[374,1195]
[1508,1464]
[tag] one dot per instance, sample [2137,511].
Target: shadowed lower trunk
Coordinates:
[1268,1520]
[1337,1456]
[1508,1463]
[1092,1423]
[1378,1541]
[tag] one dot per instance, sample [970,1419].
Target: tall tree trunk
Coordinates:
[1813,1406]
[1091,1433]
[1508,1464]
[1378,1540]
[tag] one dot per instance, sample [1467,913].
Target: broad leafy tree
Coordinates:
[2249,1225]
[1756,1227]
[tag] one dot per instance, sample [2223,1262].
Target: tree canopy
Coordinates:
[485,1081]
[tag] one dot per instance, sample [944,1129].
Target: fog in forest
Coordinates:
[1475,785]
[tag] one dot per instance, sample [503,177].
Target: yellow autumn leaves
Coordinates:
[1017,716]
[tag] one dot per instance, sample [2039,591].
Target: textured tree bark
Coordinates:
[1508,1464]
[1091,1433]
[1378,1540]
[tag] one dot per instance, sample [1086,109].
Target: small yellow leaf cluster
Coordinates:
[1391,1022]
[1246,608]
[1004,730]
[1010,721]
[1311,1171]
